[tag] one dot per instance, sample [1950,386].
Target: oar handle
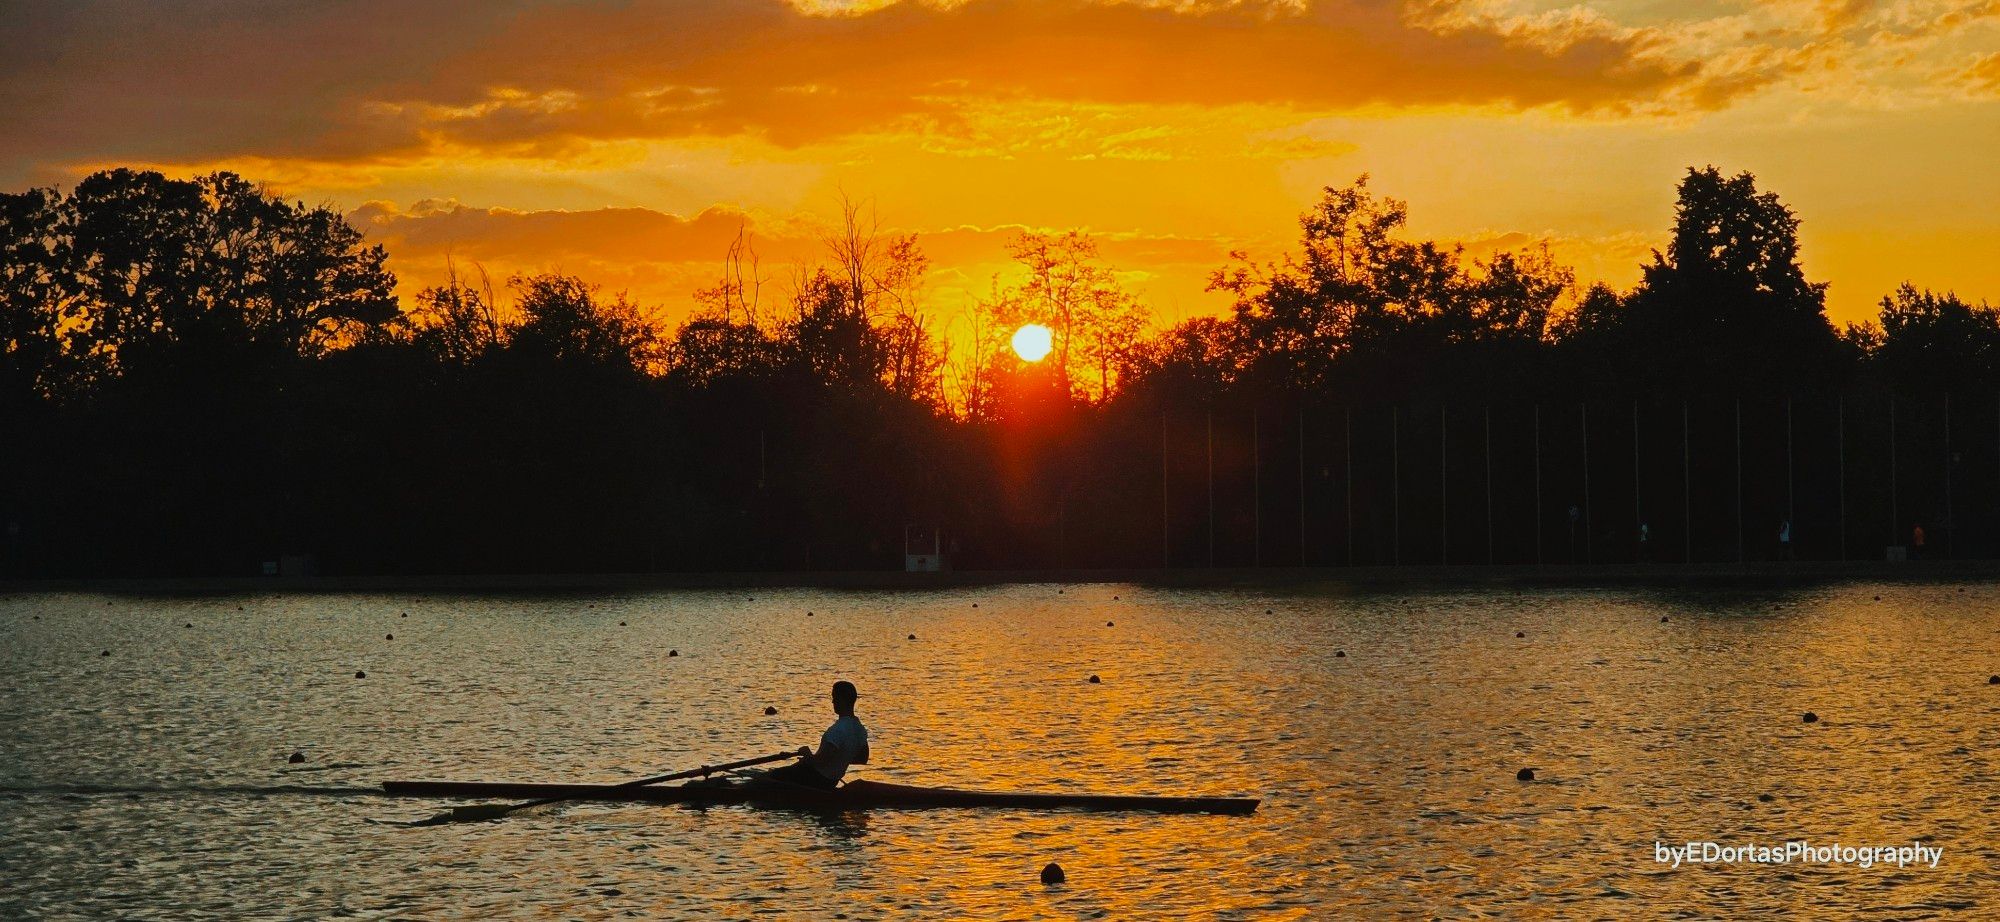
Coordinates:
[711,769]
[777,757]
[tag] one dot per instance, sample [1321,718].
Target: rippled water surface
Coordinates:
[153,782]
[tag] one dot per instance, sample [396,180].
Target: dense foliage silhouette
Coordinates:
[197,377]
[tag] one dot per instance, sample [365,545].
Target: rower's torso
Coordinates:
[843,744]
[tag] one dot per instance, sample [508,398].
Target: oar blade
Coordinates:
[475,813]
[479,813]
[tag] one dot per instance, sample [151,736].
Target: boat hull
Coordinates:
[856,795]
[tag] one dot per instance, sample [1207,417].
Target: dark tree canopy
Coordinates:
[1359,304]
[1728,303]
[196,376]
[133,272]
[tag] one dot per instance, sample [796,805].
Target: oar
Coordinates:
[477,812]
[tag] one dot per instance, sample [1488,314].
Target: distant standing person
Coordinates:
[1917,541]
[1645,549]
[1785,539]
[843,744]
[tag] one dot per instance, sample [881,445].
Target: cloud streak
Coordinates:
[367,79]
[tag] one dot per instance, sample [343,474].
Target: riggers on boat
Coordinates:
[855,795]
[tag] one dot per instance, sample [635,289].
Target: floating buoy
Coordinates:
[1811,717]
[1267,611]
[770,711]
[404,615]
[1993,680]
[1520,634]
[359,674]
[1053,874]
[1341,654]
[621,624]
[105,653]
[238,608]
[1526,774]
[1094,680]
[1059,592]
[1765,798]
[809,614]
[913,636]
[297,757]
[1110,624]
[388,637]
[975,605]
[673,652]
[1878,598]
[1663,619]
[1114,598]
[189,624]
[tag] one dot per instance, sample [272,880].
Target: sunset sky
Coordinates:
[627,142]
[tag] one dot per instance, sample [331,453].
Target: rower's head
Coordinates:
[843,697]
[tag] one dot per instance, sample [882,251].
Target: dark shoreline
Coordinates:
[1760,574]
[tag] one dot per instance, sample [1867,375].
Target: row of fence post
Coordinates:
[1444,483]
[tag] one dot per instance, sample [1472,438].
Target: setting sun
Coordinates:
[1033,342]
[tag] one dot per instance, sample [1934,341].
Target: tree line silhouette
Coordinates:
[197,377]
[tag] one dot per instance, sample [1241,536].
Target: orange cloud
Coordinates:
[375,79]
[1984,75]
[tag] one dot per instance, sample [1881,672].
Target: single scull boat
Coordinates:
[855,795]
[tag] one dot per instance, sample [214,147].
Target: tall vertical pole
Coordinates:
[1538,484]
[1840,450]
[1347,446]
[1950,524]
[1444,493]
[1211,489]
[1487,456]
[1895,515]
[1257,488]
[1584,411]
[1687,491]
[1396,483]
[1791,483]
[1166,534]
[1302,486]
[1739,480]
[1638,515]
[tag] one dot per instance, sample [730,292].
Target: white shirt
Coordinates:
[843,744]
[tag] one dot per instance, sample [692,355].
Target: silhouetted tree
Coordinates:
[1360,305]
[173,270]
[456,323]
[39,303]
[708,350]
[1727,304]
[1195,359]
[1938,341]
[563,321]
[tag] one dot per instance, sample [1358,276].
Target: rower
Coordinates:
[843,744]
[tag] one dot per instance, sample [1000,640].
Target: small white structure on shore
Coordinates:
[923,549]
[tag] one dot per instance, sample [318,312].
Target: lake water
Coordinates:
[153,783]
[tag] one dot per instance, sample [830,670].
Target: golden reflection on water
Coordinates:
[1387,774]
